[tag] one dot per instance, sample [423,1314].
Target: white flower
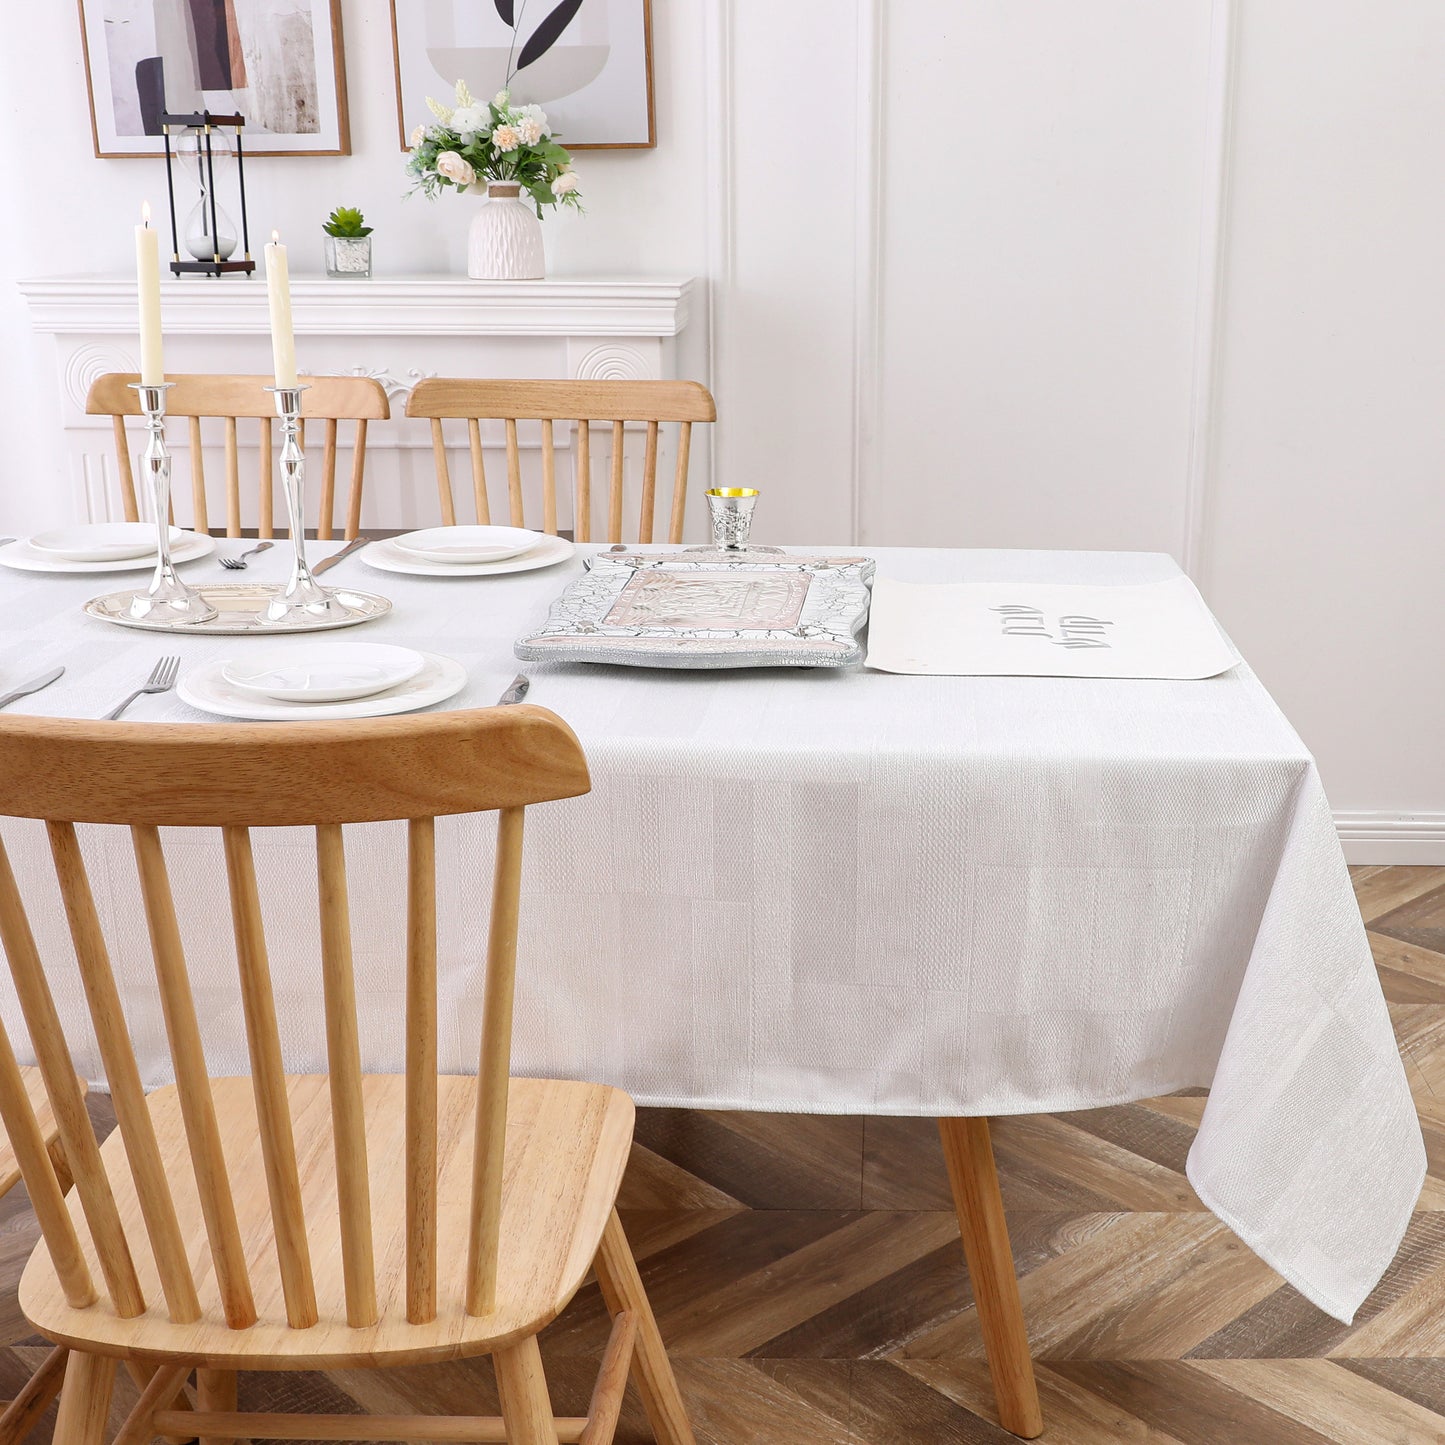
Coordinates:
[464,96]
[418,136]
[443,113]
[536,113]
[471,118]
[454,168]
[529,130]
[506,138]
[565,184]
[502,99]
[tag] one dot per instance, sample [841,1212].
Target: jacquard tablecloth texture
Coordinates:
[841,893]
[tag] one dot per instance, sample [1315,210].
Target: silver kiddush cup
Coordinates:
[731,512]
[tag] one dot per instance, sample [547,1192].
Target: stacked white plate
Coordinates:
[321,679]
[466,551]
[101,547]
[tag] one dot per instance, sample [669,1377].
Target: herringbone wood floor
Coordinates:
[807,1276]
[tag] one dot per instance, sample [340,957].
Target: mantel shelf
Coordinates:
[382,306]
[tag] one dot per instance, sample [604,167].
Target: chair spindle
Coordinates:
[649,484]
[193,1088]
[582,526]
[46,1197]
[343,1051]
[133,1117]
[66,1100]
[549,479]
[479,472]
[421,1072]
[494,1066]
[233,481]
[268,1078]
[514,474]
[200,521]
[328,483]
[679,483]
[266,519]
[614,496]
[358,472]
[444,476]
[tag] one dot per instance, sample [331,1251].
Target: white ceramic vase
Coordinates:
[505,240]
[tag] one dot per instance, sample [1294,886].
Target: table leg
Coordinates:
[968,1153]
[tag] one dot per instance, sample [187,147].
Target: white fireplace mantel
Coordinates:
[396,329]
[381,306]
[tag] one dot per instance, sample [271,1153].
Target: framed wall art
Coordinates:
[588,63]
[276,62]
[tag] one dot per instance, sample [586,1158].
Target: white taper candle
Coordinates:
[278,291]
[148,282]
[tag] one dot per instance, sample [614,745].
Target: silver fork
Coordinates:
[162,679]
[238,564]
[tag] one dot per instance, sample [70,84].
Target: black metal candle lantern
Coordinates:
[209,236]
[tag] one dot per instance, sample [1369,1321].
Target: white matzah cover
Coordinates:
[1038,629]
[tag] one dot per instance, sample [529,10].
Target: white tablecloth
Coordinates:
[846,892]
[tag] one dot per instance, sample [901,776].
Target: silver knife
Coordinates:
[34,685]
[516,690]
[355,545]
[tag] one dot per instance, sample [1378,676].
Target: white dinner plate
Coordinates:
[386,557]
[26,558]
[205,687]
[101,541]
[468,544]
[315,672]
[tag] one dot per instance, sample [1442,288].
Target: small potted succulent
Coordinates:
[348,243]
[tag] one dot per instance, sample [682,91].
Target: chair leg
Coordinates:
[215,1390]
[85,1399]
[968,1153]
[651,1369]
[526,1405]
[23,1413]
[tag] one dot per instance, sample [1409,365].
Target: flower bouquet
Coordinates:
[509,148]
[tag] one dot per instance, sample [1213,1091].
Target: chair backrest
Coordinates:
[332,399]
[584,402]
[233,778]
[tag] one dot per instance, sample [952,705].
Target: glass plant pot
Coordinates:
[348,256]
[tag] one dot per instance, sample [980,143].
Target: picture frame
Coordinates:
[211,45]
[599,50]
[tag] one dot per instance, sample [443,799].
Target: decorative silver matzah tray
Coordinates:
[708,609]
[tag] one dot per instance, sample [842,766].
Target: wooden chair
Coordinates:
[332,1221]
[582,402]
[332,399]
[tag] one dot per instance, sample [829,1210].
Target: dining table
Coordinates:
[831,891]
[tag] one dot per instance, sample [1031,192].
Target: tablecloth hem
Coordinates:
[1344,1313]
[986,1108]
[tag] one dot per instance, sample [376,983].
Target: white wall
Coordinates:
[994,272]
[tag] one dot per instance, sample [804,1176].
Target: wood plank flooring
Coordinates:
[808,1278]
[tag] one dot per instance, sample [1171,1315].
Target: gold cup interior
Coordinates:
[731,492]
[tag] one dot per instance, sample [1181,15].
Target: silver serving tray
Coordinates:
[708,610]
[238,609]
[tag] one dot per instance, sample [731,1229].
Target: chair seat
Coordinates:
[567,1146]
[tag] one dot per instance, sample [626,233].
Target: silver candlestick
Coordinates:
[303,597]
[167,597]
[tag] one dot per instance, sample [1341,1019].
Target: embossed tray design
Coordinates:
[708,610]
[238,609]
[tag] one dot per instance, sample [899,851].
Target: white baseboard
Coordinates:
[1392,837]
